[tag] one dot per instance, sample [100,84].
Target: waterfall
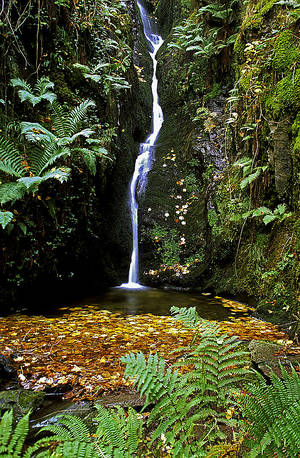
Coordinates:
[146,153]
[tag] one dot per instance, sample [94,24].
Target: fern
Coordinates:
[188,316]
[117,435]
[47,147]
[12,439]
[274,414]
[5,218]
[10,159]
[36,95]
[150,377]
[197,396]
[10,192]
[78,115]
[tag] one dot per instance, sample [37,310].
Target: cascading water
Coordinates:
[145,158]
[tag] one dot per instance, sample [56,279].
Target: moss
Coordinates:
[214,92]
[296,134]
[244,82]
[286,52]
[239,47]
[285,96]
[260,10]
[264,7]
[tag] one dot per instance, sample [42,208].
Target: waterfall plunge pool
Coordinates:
[144,300]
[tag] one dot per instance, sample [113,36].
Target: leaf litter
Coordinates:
[79,352]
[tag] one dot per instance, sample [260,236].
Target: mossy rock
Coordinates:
[286,52]
[254,20]
[21,401]
[286,95]
[296,134]
[268,356]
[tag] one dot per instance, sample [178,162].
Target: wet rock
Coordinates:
[267,356]
[86,411]
[282,155]
[51,410]
[21,401]
[130,398]
[7,371]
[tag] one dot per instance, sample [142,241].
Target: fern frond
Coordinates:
[78,115]
[77,449]
[134,427]
[10,159]
[12,440]
[117,433]
[216,364]
[42,158]
[18,82]
[150,377]
[60,120]
[274,414]
[10,192]
[188,316]
[36,133]
[90,159]
[43,84]
[40,89]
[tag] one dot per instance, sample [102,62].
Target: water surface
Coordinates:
[155,301]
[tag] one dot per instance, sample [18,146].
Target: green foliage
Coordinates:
[117,435]
[12,438]
[47,146]
[198,396]
[278,214]
[190,401]
[273,413]
[223,12]
[11,159]
[188,316]
[250,173]
[168,248]
[5,218]
[10,192]
[36,95]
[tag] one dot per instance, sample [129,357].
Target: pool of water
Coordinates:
[150,300]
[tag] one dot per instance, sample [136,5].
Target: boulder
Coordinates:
[266,356]
[21,401]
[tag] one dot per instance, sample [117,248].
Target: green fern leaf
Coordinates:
[188,316]
[6,428]
[17,82]
[12,440]
[10,192]
[11,159]
[5,218]
[273,412]
[78,115]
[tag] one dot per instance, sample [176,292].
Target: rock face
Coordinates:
[280,132]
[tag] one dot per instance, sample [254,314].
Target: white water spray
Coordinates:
[146,154]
